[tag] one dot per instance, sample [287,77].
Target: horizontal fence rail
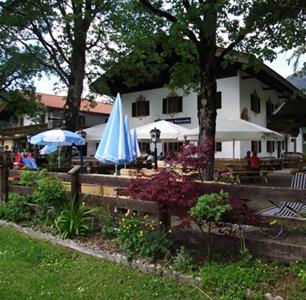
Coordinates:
[120,199]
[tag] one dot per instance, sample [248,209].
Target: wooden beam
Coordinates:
[120,202]
[108,180]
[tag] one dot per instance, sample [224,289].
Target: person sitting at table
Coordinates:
[161,156]
[150,157]
[247,159]
[254,162]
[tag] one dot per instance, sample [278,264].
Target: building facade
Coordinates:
[241,95]
[14,130]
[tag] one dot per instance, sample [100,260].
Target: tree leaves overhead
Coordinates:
[68,37]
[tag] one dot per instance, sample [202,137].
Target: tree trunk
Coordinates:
[207,111]
[75,88]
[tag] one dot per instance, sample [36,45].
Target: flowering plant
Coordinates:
[225,176]
[142,237]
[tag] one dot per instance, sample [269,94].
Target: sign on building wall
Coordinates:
[186,120]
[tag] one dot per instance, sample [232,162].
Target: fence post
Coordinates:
[1,183]
[164,219]
[4,174]
[75,183]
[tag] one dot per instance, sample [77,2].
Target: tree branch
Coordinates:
[158,12]
[186,4]
[231,46]
[67,25]
[171,18]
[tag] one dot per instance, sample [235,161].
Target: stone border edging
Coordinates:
[139,264]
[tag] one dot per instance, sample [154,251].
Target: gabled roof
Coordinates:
[55,101]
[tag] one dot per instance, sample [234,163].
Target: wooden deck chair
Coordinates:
[285,209]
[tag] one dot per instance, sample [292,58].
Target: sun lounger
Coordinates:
[285,209]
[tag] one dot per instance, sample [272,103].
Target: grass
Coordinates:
[35,269]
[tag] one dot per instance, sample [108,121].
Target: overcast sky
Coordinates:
[280,65]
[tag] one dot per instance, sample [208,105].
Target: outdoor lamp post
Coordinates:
[155,135]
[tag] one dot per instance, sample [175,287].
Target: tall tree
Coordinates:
[205,32]
[68,32]
[17,69]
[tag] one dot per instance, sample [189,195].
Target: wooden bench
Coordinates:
[246,174]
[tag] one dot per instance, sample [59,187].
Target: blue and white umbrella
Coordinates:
[129,137]
[135,145]
[114,144]
[57,137]
[48,149]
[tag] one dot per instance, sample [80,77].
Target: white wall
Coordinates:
[230,108]
[236,93]
[247,87]
[91,148]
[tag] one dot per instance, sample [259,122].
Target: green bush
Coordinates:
[50,192]
[299,269]
[28,178]
[209,210]
[130,235]
[182,262]
[15,210]
[230,281]
[109,226]
[73,220]
[145,239]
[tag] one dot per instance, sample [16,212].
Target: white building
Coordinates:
[241,94]
[14,130]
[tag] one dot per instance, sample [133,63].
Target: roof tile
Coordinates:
[56,101]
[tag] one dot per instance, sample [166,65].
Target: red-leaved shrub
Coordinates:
[169,189]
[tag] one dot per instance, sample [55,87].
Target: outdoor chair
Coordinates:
[29,163]
[285,209]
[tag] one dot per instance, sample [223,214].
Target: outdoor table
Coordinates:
[246,174]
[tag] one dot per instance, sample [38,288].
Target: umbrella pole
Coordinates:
[233,149]
[116,169]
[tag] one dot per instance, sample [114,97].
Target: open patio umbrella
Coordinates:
[168,131]
[114,145]
[135,145]
[94,133]
[48,149]
[57,138]
[238,130]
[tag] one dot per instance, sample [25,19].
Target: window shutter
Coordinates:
[180,104]
[218,100]
[165,105]
[253,103]
[147,108]
[134,109]
[258,105]
[259,147]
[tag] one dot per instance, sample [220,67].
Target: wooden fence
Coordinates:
[118,196]
[114,195]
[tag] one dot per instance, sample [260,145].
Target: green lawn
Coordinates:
[35,269]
